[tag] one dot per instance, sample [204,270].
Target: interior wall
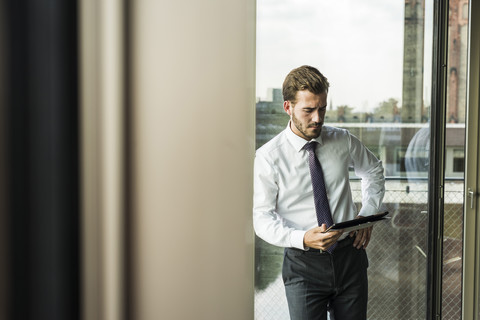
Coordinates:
[192,148]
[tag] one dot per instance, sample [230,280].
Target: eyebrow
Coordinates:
[312,108]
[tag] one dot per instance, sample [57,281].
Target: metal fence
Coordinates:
[397,255]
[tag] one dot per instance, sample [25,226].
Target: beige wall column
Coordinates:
[193,144]
[102,148]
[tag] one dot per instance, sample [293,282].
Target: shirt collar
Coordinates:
[298,142]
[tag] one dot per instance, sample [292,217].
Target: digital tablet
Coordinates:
[359,223]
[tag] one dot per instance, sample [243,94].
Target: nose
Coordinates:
[317,116]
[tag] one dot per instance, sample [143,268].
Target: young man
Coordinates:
[301,187]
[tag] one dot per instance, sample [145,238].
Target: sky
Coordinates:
[356,44]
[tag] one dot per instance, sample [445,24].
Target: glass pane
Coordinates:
[377,57]
[455,160]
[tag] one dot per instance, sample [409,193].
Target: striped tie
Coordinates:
[319,191]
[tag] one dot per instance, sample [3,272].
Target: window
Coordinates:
[459,160]
[377,56]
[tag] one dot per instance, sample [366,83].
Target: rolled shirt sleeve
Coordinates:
[370,170]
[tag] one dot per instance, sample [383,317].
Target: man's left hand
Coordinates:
[362,237]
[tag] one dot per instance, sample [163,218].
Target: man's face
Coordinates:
[307,114]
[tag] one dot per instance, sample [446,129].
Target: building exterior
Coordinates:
[457,60]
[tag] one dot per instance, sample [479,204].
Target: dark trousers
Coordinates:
[317,281]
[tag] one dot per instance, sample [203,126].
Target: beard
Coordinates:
[306,130]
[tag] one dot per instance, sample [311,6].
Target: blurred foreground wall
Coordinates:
[126,151]
[193,143]
[167,113]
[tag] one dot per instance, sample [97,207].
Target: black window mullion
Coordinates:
[437,160]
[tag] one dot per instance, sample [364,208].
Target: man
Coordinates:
[294,204]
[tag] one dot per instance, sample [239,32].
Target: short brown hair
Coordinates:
[304,78]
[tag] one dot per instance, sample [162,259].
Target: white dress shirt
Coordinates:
[284,208]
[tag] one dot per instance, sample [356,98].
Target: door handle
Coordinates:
[471,194]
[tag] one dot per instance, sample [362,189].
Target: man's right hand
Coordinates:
[317,238]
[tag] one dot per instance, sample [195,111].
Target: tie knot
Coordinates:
[311,146]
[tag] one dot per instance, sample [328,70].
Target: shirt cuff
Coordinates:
[368,211]
[296,239]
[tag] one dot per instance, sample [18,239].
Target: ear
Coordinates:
[287,106]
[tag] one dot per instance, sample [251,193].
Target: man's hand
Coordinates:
[362,238]
[316,238]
